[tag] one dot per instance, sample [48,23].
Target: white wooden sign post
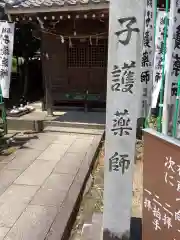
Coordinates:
[123,100]
[6,52]
[147,58]
[173,66]
[158,57]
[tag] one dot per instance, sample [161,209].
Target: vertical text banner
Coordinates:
[6,52]
[174,55]
[158,57]
[147,58]
[123,99]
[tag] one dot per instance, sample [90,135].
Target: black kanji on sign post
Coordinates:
[145,76]
[149,3]
[145,92]
[161,20]
[145,59]
[123,79]
[157,76]
[129,65]
[116,79]
[5,62]
[3,72]
[128,30]
[128,77]
[121,123]
[5,50]
[176,65]
[177,38]
[160,48]
[160,63]
[148,18]
[147,39]
[174,89]
[119,162]
[6,39]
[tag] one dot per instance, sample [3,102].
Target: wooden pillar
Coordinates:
[48,97]
[47,103]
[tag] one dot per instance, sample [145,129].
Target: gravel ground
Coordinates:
[93,197]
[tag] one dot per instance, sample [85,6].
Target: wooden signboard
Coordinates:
[161,183]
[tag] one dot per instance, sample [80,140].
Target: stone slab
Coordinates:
[2,165]
[23,158]
[13,202]
[30,153]
[74,130]
[37,144]
[47,136]
[66,138]
[60,224]
[70,163]
[64,219]
[37,173]
[7,159]
[3,232]
[54,152]
[7,177]
[54,190]
[80,145]
[50,207]
[33,224]
[18,193]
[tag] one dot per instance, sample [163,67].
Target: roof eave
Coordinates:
[74,8]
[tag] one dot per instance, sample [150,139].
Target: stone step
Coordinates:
[73,130]
[55,123]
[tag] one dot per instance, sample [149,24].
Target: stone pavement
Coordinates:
[41,182]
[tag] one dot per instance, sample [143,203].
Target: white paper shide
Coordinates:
[6,52]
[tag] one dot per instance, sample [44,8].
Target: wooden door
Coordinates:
[87,66]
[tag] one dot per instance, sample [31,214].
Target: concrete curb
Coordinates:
[62,225]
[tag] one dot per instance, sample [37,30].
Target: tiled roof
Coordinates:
[56,3]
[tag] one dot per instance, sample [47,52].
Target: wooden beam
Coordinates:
[76,8]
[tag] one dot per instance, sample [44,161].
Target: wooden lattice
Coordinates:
[86,55]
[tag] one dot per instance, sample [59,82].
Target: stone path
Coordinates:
[40,184]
